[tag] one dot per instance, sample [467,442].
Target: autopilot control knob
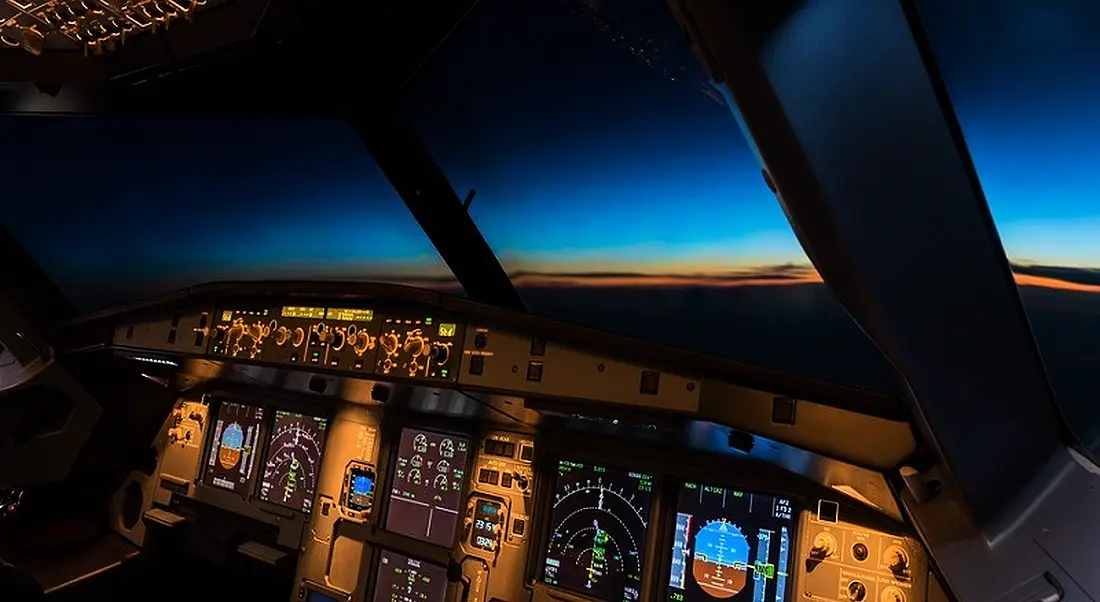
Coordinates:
[282,335]
[521,481]
[298,337]
[338,338]
[361,342]
[414,346]
[440,354]
[389,342]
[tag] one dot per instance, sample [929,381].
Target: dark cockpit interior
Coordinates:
[406,344]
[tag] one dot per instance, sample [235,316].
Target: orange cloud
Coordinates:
[764,276]
[1056,283]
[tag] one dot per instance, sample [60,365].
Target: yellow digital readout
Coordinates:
[309,313]
[350,315]
[447,330]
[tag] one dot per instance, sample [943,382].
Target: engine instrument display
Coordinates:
[404,579]
[293,460]
[233,447]
[360,489]
[427,485]
[730,545]
[598,524]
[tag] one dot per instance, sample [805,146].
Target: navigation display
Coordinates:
[404,579]
[427,485]
[293,460]
[233,447]
[730,545]
[598,531]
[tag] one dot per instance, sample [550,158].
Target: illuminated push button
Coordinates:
[519,526]
[527,453]
[534,371]
[477,365]
[651,382]
[358,364]
[506,481]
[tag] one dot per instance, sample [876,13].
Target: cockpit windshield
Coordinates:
[614,185]
[611,180]
[1025,83]
[115,210]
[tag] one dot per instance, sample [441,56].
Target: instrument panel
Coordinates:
[375,504]
[464,503]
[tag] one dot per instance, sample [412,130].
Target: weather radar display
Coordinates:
[598,531]
[293,460]
[233,447]
[730,545]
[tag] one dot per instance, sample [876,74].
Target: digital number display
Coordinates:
[233,447]
[447,330]
[404,579]
[488,523]
[598,528]
[349,315]
[293,460]
[427,485]
[309,313]
[731,545]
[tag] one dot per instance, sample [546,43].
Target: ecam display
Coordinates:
[231,456]
[404,579]
[427,486]
[294,454]
[598,528]
[730,545]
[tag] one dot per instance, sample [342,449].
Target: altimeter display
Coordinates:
[293,460]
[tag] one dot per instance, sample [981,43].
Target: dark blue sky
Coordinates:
[592,139]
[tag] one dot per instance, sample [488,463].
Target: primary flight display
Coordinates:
[598,528]
[730,545]
[233,447]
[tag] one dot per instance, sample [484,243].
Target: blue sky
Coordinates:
[606,154]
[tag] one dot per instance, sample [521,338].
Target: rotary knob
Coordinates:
[337,340]
[389,342]
[440,354]
[256,331]
[281,336]
[414,346]
[235,332]
[361,342]
[299,337]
